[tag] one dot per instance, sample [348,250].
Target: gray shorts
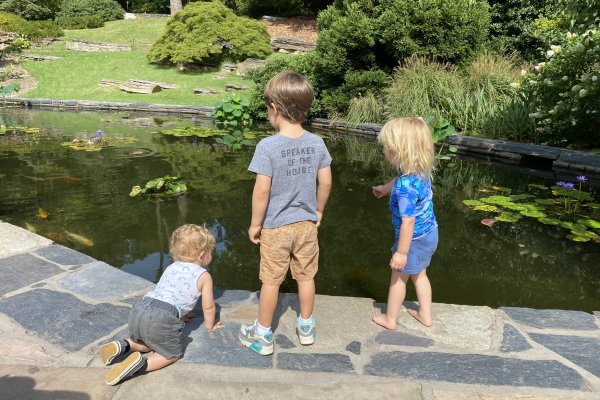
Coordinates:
[157,325]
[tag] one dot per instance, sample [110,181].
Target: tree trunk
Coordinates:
[175,6]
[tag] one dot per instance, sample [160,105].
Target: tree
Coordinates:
[31,9]
[175,6]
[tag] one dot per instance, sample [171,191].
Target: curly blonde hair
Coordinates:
[189,241]
[409,145]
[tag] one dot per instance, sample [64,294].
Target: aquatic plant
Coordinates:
[18,130]
[563,205]
[441,129]
[167,186]
[232,114]
[97,142]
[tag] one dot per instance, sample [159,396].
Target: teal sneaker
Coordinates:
[306,332]
[262,344]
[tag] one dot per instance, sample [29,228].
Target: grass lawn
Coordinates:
[77,74]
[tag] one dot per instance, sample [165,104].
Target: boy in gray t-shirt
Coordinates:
[287,207]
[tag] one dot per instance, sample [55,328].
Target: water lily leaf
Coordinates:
[135,191]
[546,202]
[501,189]
[580,195]
[533,213]
[522,196]
[472,203]
[506,216]
[592,223]
[594,206]
[567,225]
[499,200]
[549,221]
[536,186]
[514,206]
[485,207]
[578,238]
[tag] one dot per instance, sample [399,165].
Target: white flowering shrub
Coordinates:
[564,92]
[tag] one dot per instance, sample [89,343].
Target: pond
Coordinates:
[80,199]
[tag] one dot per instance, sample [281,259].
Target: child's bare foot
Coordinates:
[425,321]
[382,320]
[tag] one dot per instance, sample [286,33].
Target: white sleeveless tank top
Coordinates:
[178,286]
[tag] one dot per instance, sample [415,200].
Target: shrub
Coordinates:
[512,25]
[207,34]
[564,92]
[107,10]
[31,9]
[356,83]
[83,22]
[365,109]
[32,30]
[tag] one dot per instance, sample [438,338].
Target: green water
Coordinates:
[87,193]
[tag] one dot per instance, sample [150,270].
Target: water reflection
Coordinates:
[524,264]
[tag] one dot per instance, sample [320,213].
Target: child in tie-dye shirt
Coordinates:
[408,146]
[157,320]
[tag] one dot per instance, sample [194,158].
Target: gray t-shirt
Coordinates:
[292,164]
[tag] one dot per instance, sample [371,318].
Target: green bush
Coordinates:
[356,83]
[108,10]
[32,9]
[32,30]
[303,64]
[564,92]
[207,34]
[512,25]
[83,22]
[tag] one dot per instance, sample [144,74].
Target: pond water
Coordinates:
[81,200]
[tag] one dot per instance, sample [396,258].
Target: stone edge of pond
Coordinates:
[543,157]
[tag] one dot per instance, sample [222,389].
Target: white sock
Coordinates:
[261,330]
[305,321]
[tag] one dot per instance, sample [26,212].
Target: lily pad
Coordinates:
[549,221]
[592,223]
[536,186]
[508,217]
[522,196]
[489,221]
[485,207]
[533,213]
[472,203]
[499,200]
[546,202]
[594,206]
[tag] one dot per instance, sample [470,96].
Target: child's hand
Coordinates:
[398,261]
[319,217]
[254,233]
[218,325]
[379,191]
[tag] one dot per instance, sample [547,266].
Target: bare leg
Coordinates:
[395,299]
[306,296]
[142,348]
[423,289]
[267,304]
[156,361]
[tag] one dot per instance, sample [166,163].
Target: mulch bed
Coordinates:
[303,28]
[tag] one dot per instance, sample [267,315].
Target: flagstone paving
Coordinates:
[58,306]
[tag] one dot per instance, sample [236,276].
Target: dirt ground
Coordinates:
[303,28]
[22,77]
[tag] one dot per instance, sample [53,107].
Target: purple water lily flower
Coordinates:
[582,178]
[569,185]
[95,139]
[194,119]
[99,131]
[560,183]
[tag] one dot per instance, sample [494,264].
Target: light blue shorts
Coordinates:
[420,252]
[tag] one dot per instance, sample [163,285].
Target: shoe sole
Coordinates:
[306,340]
[109,351]
[263,351]
[116,373]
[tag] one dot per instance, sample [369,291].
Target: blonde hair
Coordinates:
[408,141]
[189,241]
[291,93]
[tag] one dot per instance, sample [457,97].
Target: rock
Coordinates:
[250,64]
[231,87]
[82,45]
[129,16]
[144,88]
[203,92]
[226,70]
[36,57]
[292,44]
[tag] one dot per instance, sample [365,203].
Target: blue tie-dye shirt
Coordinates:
[412,197]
